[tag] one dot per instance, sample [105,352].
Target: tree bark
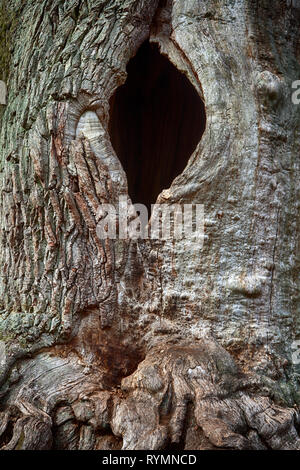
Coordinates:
[150,344]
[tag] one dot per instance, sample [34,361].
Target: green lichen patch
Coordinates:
[8,23]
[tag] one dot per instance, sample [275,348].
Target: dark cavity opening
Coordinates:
[157,119]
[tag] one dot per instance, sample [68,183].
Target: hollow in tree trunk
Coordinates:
[149,343]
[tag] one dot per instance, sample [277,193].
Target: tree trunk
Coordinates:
[149,344]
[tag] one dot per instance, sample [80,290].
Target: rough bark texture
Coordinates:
[150,344]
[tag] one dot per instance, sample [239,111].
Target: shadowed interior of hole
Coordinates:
[157,119]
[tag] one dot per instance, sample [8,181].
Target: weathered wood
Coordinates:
[147,344]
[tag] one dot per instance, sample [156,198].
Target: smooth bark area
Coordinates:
[149,344]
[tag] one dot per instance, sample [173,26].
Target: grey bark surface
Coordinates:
[150,344]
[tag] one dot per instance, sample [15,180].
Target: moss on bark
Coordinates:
[8,23]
